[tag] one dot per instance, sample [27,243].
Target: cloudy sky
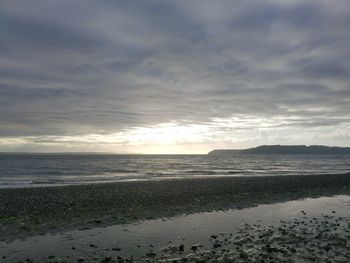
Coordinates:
[181,76]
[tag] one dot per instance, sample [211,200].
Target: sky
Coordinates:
[177,76]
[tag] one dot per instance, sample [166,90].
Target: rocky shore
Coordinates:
[307,239]
[38,210]
[325,239]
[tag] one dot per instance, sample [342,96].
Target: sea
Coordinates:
[37,170]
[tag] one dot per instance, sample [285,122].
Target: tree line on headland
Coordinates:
[285,149]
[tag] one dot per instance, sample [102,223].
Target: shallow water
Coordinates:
[187,229]
[53,170]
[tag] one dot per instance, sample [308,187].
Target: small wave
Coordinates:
[204,172]
[232,172]
[29,171]
[47,181]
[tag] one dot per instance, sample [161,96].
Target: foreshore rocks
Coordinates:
[325,239]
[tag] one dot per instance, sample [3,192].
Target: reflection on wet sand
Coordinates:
[214,231]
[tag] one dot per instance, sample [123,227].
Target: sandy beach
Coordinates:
[37,211]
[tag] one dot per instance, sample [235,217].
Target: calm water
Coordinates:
[40,170]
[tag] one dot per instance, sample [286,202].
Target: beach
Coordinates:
[174,131]
[28,212]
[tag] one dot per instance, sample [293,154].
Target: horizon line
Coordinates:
[126,153]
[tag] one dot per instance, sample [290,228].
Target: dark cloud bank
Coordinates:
[80,67]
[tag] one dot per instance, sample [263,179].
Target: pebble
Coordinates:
[106,260]
[181,248]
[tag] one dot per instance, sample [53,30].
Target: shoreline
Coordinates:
[133,180]
[308,230]
[28,211]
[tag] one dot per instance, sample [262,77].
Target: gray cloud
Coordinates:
[79,67]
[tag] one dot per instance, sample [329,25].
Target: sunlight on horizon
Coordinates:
[182,138]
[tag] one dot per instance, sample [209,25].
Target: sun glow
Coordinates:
[183,138]
[168,133]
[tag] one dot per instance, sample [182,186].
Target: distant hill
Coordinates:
[285,149]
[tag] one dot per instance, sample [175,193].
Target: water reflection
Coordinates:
[138,238]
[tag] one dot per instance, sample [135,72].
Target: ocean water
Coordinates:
[54,170]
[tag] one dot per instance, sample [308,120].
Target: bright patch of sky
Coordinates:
[173,76]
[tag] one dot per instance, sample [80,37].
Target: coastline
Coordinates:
[28,211]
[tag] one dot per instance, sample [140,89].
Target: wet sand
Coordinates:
[33,210]
[308,230]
